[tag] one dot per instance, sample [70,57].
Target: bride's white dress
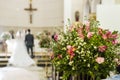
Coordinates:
[19,55]
[22,65]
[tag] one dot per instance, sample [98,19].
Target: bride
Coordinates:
[22,66]
[19,55]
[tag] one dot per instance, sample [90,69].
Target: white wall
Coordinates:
[108,2]
[76,6]
[49,13]
[70,7]
[109,16]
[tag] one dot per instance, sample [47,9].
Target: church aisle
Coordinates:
[39,70]
[16,73]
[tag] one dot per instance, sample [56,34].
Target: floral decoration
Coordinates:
[5,36]
[85,49]
[44,39]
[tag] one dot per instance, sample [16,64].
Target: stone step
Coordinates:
[4,59]
[44,63]
[40,59]
[3,63]
[5,54]
[43,60]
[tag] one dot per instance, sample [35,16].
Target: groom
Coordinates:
[29,41]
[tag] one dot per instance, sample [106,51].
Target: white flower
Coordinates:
[100,60]
[67,57]
[58,62]
[95,47]
[64,48]
[82,50]
[84,60]
[84,43]
[73,68]
[79,46]
[71,62]
[88,65]
[88,51]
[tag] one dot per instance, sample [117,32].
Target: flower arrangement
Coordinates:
[44,39]
[85,49]
[5,36]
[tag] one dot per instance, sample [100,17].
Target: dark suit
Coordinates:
[29,41]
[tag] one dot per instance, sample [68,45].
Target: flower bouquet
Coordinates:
[86,50]
[5,36]
[44,39]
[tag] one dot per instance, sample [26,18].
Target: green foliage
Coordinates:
[44,39]
[45,42]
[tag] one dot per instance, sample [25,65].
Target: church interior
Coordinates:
[45,18]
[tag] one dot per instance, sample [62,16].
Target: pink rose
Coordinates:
[100,60]
[87,23]
[60,56]
[71,28]
[70,51]
[80,33]
[81,36]
[108,34]
[90,34]
[56,37]
[69,46]
[104,36]
[115,42]
[114,36]
[102,48]
[87,28]
[100,31]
